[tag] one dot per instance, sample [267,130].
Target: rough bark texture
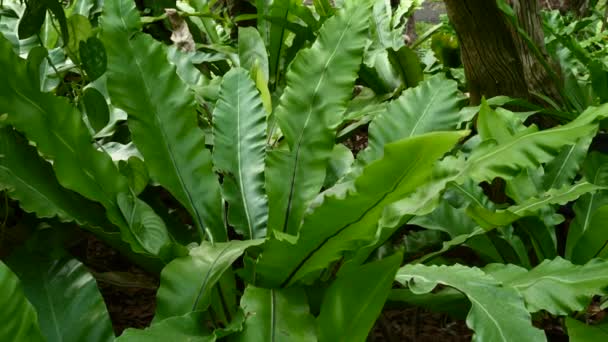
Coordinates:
[491,62]
[537,78]
[497,60]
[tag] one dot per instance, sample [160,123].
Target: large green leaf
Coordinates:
[276,315]
[252,51]
[32,19]
[348,221]
[19,319]
[556,286]
[497,313]
[239,150]
[354,300]
[181,328]
[66,297]
[186,282]
[276,36]
[446,218]
[492,125]
[432,106]
[191,327]
[532,206]
[594,240]
[319,82]
[28,178]
[60,135]
[563,169]
[581,332]
[162,117]
[528,148]
[148,228]
[407,64]
[594,172]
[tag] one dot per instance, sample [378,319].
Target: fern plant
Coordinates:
[290,236]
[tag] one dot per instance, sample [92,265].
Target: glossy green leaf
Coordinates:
[563,169]
[277,34]
[32,19]
[55,6]
[146,226]
[581,332]
[491,126]
[594,171]
[239,151]
[339,164]
[19,319]
[354,300]
[60,135]
[186,282]
[29,179]
[323,8]
[80,30]
[181,328]
[348,221]
[446,218]
[66,297]
[280,315]
[527,149]
[593,241]
[252,50]
[491,319]
[96,108]
[93,57]
[407,63]
[532,206]
[162,117]
[310,110]
[542,236]
[432,106]
[136,172]
[85,7]
[556,286]
[192,327]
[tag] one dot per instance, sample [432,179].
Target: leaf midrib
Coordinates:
[344,227]
[308,117]
[156,115]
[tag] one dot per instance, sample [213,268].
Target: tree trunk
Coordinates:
[537,78]
[497,60]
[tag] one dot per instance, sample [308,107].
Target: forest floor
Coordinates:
[130,296]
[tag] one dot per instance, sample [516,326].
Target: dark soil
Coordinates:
[129,292]
[357,141]
[130,295]
[419,325]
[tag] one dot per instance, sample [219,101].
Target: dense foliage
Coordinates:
[210,147]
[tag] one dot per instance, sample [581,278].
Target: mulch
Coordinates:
[131,301]
[129,292]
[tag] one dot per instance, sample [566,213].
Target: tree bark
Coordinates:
[537,77]
[491,63]
[497,60]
